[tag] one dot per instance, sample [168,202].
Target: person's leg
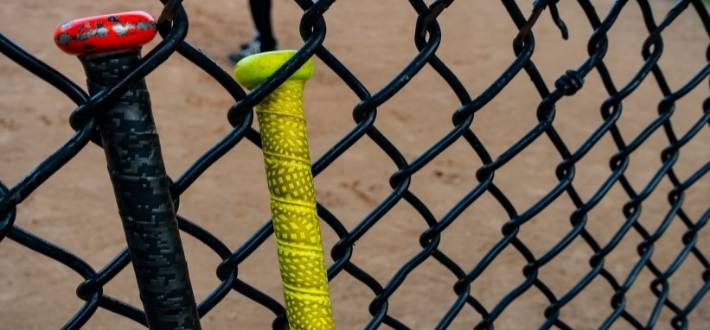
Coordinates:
[264,39]
[261,13]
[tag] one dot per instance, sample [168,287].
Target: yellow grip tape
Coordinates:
[293,206]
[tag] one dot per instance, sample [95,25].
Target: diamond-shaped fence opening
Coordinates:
[519,164]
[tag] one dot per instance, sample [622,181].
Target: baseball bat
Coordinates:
[284,142]
[108,47]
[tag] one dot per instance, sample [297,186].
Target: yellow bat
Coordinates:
[284,142]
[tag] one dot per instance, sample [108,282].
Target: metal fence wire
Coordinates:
[173,25]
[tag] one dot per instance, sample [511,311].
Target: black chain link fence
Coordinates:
[173,29]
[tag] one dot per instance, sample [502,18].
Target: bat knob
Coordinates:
[253,70]
[105,33]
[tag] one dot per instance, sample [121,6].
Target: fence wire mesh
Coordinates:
[173,26]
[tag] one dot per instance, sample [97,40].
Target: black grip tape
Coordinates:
[142,190]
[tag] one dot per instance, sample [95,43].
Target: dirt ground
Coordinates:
[76,210]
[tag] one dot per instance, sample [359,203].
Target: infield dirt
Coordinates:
[374,39]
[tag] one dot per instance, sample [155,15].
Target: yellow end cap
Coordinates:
[254,69]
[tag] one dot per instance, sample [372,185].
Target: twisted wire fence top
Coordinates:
[465,298]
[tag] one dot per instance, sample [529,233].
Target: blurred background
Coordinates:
[75,208]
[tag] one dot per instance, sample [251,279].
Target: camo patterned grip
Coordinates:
[293,206]
[142,190]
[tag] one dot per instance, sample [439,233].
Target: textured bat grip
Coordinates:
[293,207]
[284,143]
[142,191]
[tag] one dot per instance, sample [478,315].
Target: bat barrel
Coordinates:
[137,172]
[293,206]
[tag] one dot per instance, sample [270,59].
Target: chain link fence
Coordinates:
[173,26]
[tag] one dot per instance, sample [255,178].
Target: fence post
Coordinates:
[109,47]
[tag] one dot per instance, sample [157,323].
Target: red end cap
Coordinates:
[105,33]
